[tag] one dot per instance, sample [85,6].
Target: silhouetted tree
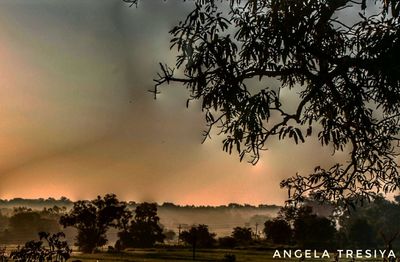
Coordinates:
[384,214]
[3,221]
[312,231]
[169,234]
[290,212]
[198,237]
[25,223]
[378,218]
[362,234]
[278,231]
[227,242]
[308,229]
[145,229]
[93,218]
[343,75]
[49,248]
[242,235]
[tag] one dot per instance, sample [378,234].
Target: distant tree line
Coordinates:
[25,223]
[373,225]
[91,220]
[370,226]
[36,203]
[66,202]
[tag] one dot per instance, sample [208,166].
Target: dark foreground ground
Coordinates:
[180,255]
[183,255]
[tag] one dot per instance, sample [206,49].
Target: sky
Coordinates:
[77,120]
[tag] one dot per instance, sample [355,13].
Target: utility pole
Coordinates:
[179,233]
[256,231]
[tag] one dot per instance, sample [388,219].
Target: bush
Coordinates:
[243,235]
[278,231]
[54,250]
[227,242]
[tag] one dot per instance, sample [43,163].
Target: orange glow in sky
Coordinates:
[77,120]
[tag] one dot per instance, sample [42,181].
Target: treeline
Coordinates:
[92,220]
[21,224]
[24,224]
[370,226]
[65,202]
[35,203]
[229,206]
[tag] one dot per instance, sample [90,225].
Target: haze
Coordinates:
[77,120]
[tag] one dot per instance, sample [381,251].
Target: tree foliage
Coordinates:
[301,225]
[278,231]
[25,223]
[93,218]
[312,231]
[373,225]
[243,235]
[227,242]
[198,236]
[345,76]
[361,234]
[49,248]
[145,230]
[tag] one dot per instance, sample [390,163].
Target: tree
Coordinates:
[242,235]
[145,230]
[290,213]
[361,233]
[344,75]
[278,231]
[377,221]
[308,229]
[227,242]
[384,215]
[26,223]
[198,237]
[312,231]
[48,248]
[170,234]
[93,218]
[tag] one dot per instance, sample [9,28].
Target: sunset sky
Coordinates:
[77,120]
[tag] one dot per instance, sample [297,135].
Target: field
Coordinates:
[182,255]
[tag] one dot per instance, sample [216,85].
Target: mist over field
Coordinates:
[220,219]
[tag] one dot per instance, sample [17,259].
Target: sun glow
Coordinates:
[259,168]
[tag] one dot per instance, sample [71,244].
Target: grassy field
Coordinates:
[176,254]
[182,255]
